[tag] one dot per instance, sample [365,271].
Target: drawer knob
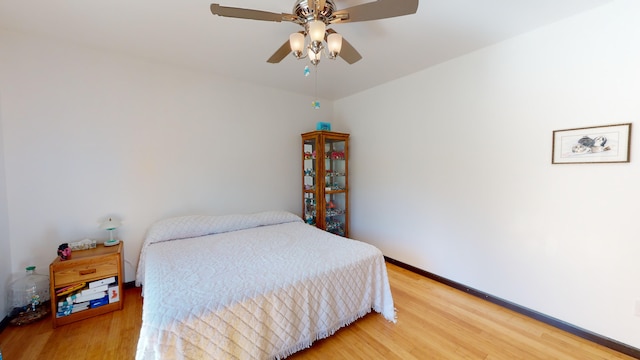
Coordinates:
[87,271]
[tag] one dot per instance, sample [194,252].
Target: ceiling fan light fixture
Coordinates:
[314,16]
[314,57]
[296,42]
[334,44]
[316,30]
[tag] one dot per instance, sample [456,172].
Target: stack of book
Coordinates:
[83,296]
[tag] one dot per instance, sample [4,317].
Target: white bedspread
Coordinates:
[254,293]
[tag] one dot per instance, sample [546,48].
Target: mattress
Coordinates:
[259,286]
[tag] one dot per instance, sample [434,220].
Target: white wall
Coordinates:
[5,244]
[454,176]
[89,134]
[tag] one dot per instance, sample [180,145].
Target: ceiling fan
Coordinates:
[314,16]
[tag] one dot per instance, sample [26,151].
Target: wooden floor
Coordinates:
[434,322]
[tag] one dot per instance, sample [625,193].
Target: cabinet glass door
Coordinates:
[309,180]
[335,186]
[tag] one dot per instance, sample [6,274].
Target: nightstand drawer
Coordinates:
[87,271]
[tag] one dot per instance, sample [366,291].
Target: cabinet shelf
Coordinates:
[325,180]
[333,212]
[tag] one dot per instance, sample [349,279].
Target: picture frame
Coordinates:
[595,144]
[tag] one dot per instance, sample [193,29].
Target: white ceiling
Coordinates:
[184,32]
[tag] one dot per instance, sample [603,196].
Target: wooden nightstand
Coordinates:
[86,266]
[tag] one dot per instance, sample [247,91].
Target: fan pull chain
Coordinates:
[316,103]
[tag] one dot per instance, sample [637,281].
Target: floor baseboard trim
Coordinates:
[575,330]
[3,324]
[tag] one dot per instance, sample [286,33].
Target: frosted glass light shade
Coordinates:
[296,41]
[110,224]
[314,57]
[334,43]
[316,30]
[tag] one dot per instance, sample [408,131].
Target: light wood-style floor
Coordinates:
[434,322]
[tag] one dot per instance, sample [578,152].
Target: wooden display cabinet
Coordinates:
[86,266]
[325,181]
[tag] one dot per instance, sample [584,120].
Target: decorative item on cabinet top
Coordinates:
[326,126]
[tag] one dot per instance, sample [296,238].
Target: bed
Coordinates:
[252,286]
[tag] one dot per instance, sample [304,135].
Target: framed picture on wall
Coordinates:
[596,144]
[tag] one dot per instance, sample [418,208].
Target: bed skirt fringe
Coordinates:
[319,336]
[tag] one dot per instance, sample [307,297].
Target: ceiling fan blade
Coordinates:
[280,54]
[380,9]
[240,13]
[348,52]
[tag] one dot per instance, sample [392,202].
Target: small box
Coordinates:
[114,293]
[85,244]
[99,302]
[324,126]
[106,281]
[94,290]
